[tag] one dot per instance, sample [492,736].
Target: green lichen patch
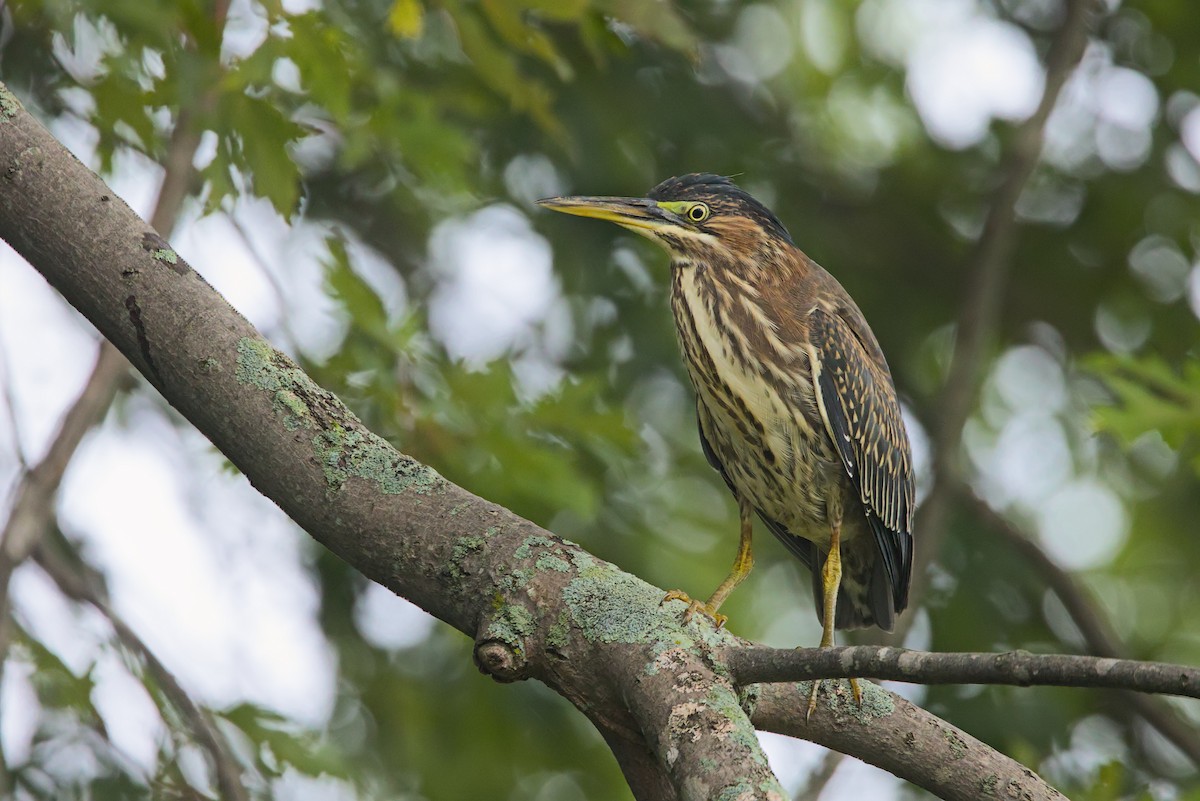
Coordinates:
[958,746]
[166,255]
[611,606]
[525,549]
[516,580]
[9,105]
[549,562]
[464,547]
[558,636]
[511,625]
[292,408]
[210,365]
[581,558]
[348,454]
[722,700]
[876,702]
[341,445]
[262,366]
[987,785]
[839,698]
[742,791]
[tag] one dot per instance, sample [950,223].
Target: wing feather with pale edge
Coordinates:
[862,417]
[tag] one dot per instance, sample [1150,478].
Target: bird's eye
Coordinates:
[698,213]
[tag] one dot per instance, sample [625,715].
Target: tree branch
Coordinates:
[1020,668]
[1097,634]
[537,606]
[33,502]
[820,777]
[79,587]
[31,507]
[989,272]
[909,742]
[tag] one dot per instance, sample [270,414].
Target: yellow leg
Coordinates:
[831,580]
[743,563]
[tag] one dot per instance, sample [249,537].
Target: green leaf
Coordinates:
[406,19]
[1149,396]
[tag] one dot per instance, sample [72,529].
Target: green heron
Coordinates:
[796,406]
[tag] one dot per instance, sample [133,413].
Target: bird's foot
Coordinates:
[693,607]
[816,685]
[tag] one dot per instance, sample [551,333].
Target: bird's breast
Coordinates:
[756,400]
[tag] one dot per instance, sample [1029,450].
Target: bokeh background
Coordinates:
[363,187]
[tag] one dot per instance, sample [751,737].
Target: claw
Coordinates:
[855,690]
[695,606]
[812,699]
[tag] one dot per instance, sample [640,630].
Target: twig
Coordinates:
[34,495]
[78,587]
[1098,636]
[761,664]
[989,273]
[33,502]
[272,280]
[10,410]
[821,776]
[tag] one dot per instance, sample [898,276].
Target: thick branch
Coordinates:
[693,719]
[1020,668]
[910,742]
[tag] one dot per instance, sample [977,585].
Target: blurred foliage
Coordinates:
[383,119]
[1151,399]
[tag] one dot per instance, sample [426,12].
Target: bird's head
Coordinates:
[694,216]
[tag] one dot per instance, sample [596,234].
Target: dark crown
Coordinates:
[723,195]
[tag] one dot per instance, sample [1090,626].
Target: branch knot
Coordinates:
[498,659]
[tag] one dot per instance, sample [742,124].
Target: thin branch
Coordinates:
[1020,668]
[1097,634]
[79,587]
[33,505]
[273,281]
[991,266]
[814,788]
[35,494]
[10,409]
